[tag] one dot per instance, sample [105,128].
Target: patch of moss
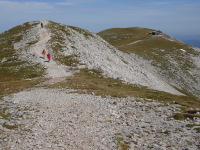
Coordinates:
[70,60]
[190,125]
[32,42]
[167,132]
[198,130]
[122,144]
[179,116]
[9,126]
[147,132]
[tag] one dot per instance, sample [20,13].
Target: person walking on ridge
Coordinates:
[49,57]
[41,25]
[44,52]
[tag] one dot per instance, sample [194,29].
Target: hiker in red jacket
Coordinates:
[49,56]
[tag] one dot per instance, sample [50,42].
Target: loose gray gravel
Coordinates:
[59,119]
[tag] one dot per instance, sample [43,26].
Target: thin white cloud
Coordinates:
[19,6]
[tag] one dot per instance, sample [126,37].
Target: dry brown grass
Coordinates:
[88,81]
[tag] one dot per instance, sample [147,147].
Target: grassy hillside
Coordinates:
[13,70]
[172,58]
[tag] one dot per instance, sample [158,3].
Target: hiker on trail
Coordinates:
[41,25]
[49,56]
[44,52]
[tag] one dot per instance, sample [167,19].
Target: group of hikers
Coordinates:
[44,51]
[48,55]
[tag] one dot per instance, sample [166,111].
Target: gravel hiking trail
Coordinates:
[54,70]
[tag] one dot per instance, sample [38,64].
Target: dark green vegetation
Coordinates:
[172,58]
[186,114]
[179,116]
[195,126]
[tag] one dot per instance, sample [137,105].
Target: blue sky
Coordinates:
[173,17]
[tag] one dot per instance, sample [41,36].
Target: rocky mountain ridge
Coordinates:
[53,115]
[96,53]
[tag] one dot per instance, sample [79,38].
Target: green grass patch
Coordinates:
[19,70]
[179,116]
[3,115]
[122,36]
[198,130]
[32,42]
[70,60]
[192,125]
[185,115]
[121,144]
[147,132]
[9,126]
[167,132]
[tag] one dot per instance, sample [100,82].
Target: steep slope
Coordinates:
[172,61]
[92,52]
